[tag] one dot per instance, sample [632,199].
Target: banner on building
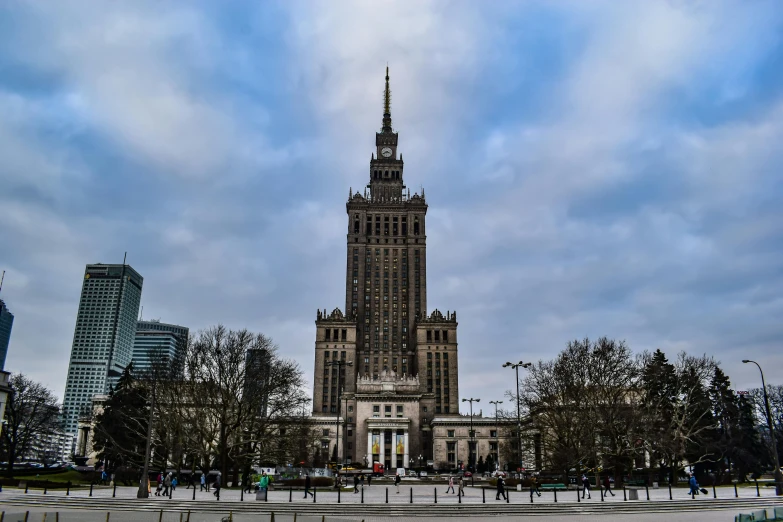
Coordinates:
[400,444]
[376,444]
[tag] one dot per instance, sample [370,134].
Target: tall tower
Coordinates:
[6,324]
[404,363]
[103,337]
[386,272]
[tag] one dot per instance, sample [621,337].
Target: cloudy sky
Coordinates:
[591,168]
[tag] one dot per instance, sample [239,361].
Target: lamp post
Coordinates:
[421,458]
[340,364]
[778,474]
[471,442]
[497,436]
[519,418]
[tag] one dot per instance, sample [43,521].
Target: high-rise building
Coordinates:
[103,337]
[154,340]
[404,371]
[6,323]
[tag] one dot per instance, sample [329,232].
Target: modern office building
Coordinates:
[103,337]
[6,323]
[155,340]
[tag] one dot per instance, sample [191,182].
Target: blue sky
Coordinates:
[592,168]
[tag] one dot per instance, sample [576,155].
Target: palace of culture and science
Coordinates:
[386,367]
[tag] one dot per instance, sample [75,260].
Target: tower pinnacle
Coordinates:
[387,105]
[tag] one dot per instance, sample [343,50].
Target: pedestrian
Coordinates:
[694,486]
[174,483]
[461,484]
[501,489]
[397,482]
[369,479]
[361,479]
[167,484]
[203,482]
[607,486]
[585,486]
[534,487]
[263,483]
[159,486]
[451,485]
[217,486]
[307,486]
[355,484]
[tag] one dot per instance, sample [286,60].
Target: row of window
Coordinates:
[387,410]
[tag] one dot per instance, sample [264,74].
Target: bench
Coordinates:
[548,487]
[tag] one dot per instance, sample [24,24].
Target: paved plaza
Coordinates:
[420,493]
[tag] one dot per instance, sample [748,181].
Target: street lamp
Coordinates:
[471,442]
[778,474]
[497,436]
[340,364]
[519,419]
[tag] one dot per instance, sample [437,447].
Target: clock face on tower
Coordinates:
[386,152]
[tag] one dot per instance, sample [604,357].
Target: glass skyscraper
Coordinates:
[103,337]
[6,323]
[156,339]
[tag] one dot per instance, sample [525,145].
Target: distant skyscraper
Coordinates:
[156,338]
[6,323]
[103,338]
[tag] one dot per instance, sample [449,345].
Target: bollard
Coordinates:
[714,493]
[160,518]
[315,492]
[362,494]
[272,519]
[171,490]
[26,486]
[294,516]
[508,496]
[555,490]
[108,514]
[290,494]
[114,493]
[46,487]
[459,496]
[670,490]
[26,515]
[411,495]
[736,495]
[194,492]
[600,488]
[577,496]
[242,495]
[188,519]
[624,498]
[90,489]
[757,489]
[338,493]
[483,495]
[387,494]
[266,494]
[647,490]
[56,517]
[436,495]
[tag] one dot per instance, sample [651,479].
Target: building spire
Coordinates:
[387,105]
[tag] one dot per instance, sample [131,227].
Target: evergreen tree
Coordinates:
[481,467]
[749,453]
[490,463]
[725,412]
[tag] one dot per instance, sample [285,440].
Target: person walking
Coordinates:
[167,484]
[307,486]
[451,485]
[159,485]
[174,483]
[203,482]
[534,487]
[501,489]
[263,484]
[369,479]
[397,482]
[217,486]
[461,485]
[607,486]
[694,486]
[355,484]
[585,486]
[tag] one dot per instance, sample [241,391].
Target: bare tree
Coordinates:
[32,415]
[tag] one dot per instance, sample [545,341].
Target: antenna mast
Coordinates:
[1,280]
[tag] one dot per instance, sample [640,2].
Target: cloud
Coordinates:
[591,168]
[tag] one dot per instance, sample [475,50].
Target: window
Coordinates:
[451,448]
[450,434]
[325,433]
[387,411]
[399,411]
[376,411]
[493,434]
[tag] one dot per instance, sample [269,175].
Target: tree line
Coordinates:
[601,409]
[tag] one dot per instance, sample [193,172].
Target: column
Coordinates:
[394,449]
[405,457]
[369,448]
[382,449]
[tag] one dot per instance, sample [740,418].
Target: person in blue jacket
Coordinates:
[694,485]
